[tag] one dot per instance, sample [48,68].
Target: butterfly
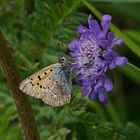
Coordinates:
[52,84]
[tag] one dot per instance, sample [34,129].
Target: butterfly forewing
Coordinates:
[32,85]
[49,84]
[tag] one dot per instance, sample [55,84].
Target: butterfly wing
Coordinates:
[49,84]
[33,84]
[60,93]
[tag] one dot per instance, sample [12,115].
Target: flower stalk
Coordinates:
[22,104]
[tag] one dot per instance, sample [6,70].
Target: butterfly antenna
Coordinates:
[58,54]
[61,48]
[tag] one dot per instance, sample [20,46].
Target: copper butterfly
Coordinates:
[52,84]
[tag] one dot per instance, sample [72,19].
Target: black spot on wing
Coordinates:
[30,78]
[39,77]
[45,73]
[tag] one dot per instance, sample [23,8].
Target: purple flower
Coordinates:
[93,55]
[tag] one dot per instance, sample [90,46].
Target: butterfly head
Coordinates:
[62,60]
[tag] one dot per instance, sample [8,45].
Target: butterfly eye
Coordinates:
[62,59]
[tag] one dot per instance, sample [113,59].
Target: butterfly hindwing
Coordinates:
[60,93]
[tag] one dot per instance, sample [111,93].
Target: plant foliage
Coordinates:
[39,32]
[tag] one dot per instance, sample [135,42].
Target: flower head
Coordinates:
[93,55]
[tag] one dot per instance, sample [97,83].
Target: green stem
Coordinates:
[99,110]
[113,114]
[22,104]
[97,107]
[69,11]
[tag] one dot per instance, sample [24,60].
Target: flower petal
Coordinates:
[102,97]
[98,85]
[82,29]
[92,95]
[108,84]
[117,42]
[104,43]
[110,36]
[85,90]
[74,44]
[109,55]
[105,23]
[121,61]
[93,25]
[112,65]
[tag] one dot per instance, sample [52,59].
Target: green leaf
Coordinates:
[60,134]
[120,1]
[135,35]
[70,8]
[13,132]
[131,71]
[127,16]
[133,131]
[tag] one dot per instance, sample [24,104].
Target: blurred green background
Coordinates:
[39,31]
